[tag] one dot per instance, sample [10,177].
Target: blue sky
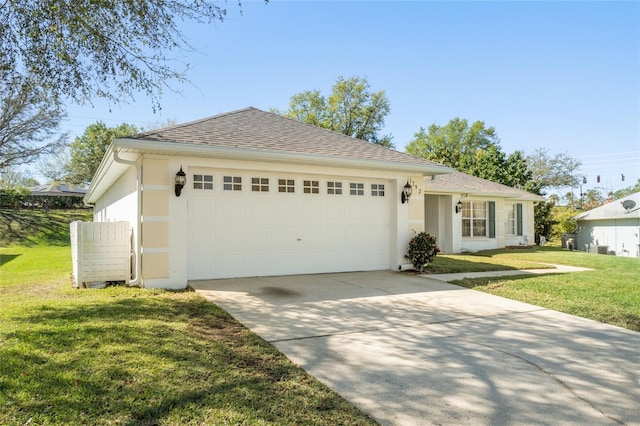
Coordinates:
[558,75]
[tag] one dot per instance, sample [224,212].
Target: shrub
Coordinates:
[422,250]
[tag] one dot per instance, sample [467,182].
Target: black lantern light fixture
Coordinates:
[181,180]
[459,206]
[407,190]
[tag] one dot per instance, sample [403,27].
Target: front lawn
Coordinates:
[610,293]
[139,357]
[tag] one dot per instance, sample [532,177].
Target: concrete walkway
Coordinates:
[413,350]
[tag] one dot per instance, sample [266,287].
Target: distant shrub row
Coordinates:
[21,198]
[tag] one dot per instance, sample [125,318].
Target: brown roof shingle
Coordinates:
[465,183]
[251,128]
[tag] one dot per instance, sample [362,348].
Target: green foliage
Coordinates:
[14,198]
[455,144]
[31,227]
[563,222]
[139,357]
[422,250]
[81,50]
[351,109]
[621,193]
[553,171]
[543,220]
[86,151]
[29,117]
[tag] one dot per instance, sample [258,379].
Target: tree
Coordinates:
[12,178]
[455,144]
[108,49]
[351,109]
[473,149]
[29,118]
[621,193]
[86,151]
[553,171]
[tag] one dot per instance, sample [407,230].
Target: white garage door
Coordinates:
[253,224]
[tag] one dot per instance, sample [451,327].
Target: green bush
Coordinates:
[21,198]
[422,250]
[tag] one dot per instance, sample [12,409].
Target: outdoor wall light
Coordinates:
[181,180]
[407,190]
[459,206]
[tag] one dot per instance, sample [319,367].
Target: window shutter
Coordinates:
[519,219]
[492,219]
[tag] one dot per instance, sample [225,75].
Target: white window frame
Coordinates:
[202,181]
[311,186]
[377,189]
[472,213]
[232,183]
[334,188]
[259,184]
[510,223]
[286,186]
[356,188]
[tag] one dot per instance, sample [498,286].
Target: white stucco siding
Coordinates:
[621,236]
[217,233]
[119,202]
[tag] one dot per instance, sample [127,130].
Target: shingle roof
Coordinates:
[614,210]
[253,129]
[53,189]
[465,183]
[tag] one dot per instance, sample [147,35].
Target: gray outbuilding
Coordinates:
[613,228]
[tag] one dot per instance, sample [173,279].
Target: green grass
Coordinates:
[128,356]
[610,293]
[36,227]
[445,264]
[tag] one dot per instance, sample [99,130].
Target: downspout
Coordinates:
[138,279]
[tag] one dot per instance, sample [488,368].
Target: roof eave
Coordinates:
[173,148]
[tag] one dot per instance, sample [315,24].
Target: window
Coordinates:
[377,190]
[232,183]
[334,188]
[474,219]
[311,187]
[260,184]
[356,188]
[510,224]
[286,185]
[202,182]
[513,225]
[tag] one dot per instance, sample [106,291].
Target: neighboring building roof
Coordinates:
[615,209]
[58,190]
[459,182]
[256,130]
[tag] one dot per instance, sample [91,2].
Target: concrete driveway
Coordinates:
[410,350]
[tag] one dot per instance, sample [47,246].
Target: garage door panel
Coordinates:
[201,240]
[252,233]
[257,264]
[285,263]
[311,238]
[285,239]
[259,210]
[201,212]
[286,210]
[230,211]
[258,239]
[201,267]
[333,237]
[230,239]
[229,265]
[311,212]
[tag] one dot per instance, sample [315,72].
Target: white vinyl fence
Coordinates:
[100,252]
